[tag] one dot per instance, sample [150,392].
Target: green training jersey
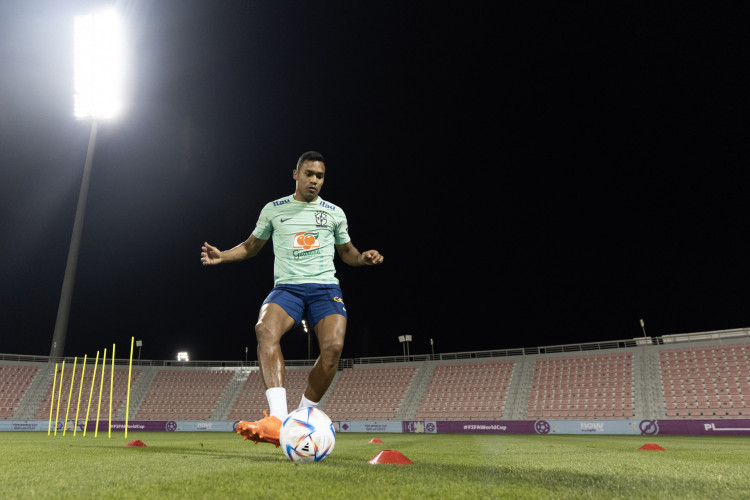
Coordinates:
[304,235]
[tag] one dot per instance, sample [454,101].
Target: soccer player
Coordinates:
[305,231]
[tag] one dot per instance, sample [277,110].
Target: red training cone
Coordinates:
[390,457]
[376,440]
[137,442]
[651,447]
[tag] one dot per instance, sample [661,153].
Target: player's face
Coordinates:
[309,176]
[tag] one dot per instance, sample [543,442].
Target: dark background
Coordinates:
[534,175]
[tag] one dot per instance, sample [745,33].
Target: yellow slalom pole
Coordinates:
[59,391]
[70,394]
[101,385]
[111,386]
[80,388]
[127,401]
[91,392]
[52,402]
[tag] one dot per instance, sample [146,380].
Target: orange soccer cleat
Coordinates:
[265,430]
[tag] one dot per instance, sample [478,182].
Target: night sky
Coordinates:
[541,174]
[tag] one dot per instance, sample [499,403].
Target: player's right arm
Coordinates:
[211,256]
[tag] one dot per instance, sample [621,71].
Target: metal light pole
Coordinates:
[643,327]
[309,338]
[63,310]
[99,61]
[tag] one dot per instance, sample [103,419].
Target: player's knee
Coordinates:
[265,335]
[331,351]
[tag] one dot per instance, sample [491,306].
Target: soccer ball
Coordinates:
[307,435]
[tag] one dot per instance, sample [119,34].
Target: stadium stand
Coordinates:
[706,382]
[704,375]
[14,381]
[598,386]
[187,394]
[119,390]
[467,391]
[252,399]
[369,393]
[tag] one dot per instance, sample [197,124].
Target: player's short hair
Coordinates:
[310,156]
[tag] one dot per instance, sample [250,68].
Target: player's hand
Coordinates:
[210,255]
[371,257]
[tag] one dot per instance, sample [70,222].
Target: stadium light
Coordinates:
[183,356]
[99,66]
[405,339]
[99,79]
[643,327]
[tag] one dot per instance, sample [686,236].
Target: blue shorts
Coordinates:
[317,300]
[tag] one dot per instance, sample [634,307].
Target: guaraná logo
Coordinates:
[306,240]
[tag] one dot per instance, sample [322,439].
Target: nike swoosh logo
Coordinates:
[284,220]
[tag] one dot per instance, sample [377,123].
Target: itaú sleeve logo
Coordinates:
[306,240]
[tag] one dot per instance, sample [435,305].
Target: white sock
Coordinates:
[276,397]
[306,403]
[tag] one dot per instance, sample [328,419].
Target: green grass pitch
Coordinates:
[214,465]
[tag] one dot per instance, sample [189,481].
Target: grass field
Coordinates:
[211,465]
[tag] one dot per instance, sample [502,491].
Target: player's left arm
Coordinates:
[350,255]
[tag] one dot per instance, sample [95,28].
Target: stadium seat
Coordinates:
[454,387]
[707,378]
[588,386]
[14,382]
[379,390]
[190,394]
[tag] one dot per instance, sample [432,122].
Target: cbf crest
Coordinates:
[321,219]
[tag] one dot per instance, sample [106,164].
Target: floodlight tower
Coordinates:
[307,332]
[405,339]
[98,95]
